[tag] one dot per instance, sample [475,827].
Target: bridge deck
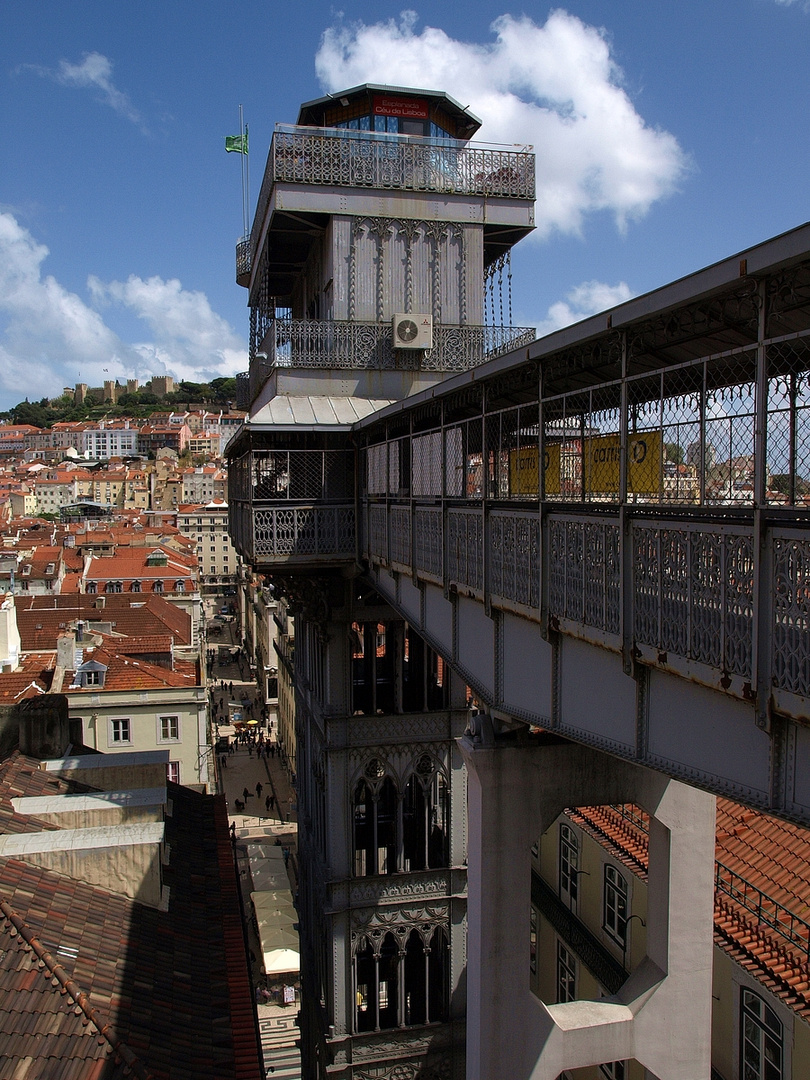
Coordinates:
[647,590]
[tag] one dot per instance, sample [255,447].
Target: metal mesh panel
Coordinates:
[465,548]
[514,553]
[584,572]
[377,469]
[564,420]
[306,475]
[428,538]
[729,443]
[426,475]
[401,535]
[788,423]
[791,614]
[692,594]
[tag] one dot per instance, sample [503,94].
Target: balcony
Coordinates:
[333,157]
[311,343]
[293,507]
[243,262]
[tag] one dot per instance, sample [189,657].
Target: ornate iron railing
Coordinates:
[682,592]
[304,155]
[314,343]
[367,159]
[243,390]
[302,533]
[243,261]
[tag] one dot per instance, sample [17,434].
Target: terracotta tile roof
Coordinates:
[17,685]
[134,615]
[126,674]
[167,994]
[762,893]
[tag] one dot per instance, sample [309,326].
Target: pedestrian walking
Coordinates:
[268,802]
[259,789]
[272,801]
[246,794]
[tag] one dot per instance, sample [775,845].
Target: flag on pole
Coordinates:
[236,144]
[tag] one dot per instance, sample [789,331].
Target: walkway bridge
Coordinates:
[647,591]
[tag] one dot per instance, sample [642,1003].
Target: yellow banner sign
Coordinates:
[602,457]
[564,465]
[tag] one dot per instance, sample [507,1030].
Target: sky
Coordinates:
[668,137]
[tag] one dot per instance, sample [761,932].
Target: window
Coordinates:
[91,586]
[119,731]
[180,586]
[158,587]
[566,974]
[169,728]
[568,863]
[136,586]
[173,772]
[613,1070]
[614,905]
[114,586]
[760,1039]
[92,678]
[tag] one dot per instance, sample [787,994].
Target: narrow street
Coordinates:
[262,810]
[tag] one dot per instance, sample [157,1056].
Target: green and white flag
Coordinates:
[236,144]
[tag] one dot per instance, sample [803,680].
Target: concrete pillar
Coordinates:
[662,1014]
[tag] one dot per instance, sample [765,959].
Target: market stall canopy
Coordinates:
[282,920]
[272,898]
[281,961]
[266,879]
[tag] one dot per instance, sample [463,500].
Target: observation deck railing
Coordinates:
[657,527]
[366,159]
[293,506]
[323,343]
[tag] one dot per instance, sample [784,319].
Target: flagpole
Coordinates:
[243,157]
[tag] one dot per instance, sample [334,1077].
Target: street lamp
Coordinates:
[624,944]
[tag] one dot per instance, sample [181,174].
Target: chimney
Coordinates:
[66,651]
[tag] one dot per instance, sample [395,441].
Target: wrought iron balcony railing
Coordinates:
[243,261]
[290,534]
[332,344]
[367,159]
[293,506]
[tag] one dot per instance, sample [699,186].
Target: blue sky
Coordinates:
[668,136]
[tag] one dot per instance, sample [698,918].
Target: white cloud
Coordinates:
[95,70]
[183,324]
[555,86]
[50,337]
[586,299]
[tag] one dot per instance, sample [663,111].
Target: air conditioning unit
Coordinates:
[413,331]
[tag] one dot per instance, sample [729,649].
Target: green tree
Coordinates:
[674,453]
